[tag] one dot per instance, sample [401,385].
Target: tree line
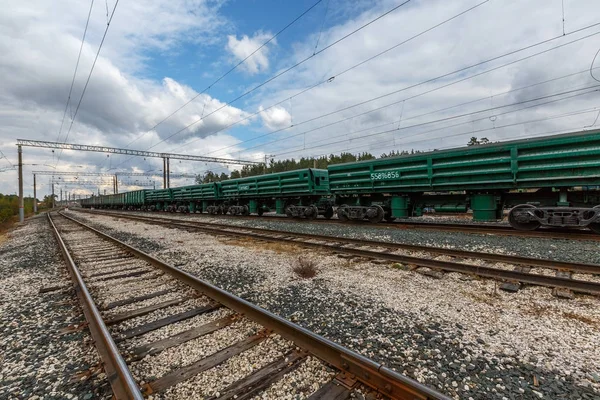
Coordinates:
[312,162]
[9,206]
[293,164]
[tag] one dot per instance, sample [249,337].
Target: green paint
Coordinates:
[279,206]
[484,207]
[400,207]
[253,206]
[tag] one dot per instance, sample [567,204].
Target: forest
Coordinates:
[9,206]
[311,162]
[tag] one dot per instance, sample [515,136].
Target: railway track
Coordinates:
[166,333]
[504,230]
[514,271]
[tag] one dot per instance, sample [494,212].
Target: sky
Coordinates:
[190,77]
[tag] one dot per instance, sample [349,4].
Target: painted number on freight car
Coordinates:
[244,187]
[385,175]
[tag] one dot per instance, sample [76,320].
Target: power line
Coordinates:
[322,25]
[75,72]
[432,80]
[592,66]
[595,89]
[228,72]
[421,83]
[89,77]
[7,160]
[282,73]
[333,77]
[413,117]
[470,132]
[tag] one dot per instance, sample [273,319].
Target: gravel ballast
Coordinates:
[458,334]
[36,361]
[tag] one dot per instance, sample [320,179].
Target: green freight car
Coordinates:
[299,193]
[159,200]
[195,197]
[541,179]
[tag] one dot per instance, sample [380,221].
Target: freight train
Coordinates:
[546,181]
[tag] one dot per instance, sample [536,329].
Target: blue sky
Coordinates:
[161,53]
[199,65]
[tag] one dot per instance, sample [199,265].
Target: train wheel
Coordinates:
[378,217]
[513,219]
[328,213]
[311,212]
[246,211]
[288,211]
[595,227]
[341,212]
[260,211]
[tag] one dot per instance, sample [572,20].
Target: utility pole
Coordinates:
[164,172]
[116,184]
[53,202]
[21,201]
[168,173]
[34,196]
[60,196]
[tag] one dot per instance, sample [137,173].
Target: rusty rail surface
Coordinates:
[364,370]
[117,372]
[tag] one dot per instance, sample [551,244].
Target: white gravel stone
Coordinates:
[469,317]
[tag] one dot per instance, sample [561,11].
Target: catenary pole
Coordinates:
[21,202]
[34,195]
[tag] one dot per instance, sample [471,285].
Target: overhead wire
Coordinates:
[592,67]
[337,75]
[425,82]
[7,160]
[470,132]
[462,69]
[75,71]
[228,72]
[246,93]
[273,78]
[89,77]
[413,117]
[595,88]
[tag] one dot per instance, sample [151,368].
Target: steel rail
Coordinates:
[508,259]
[575,285]
[544,233]
[117,372]
[368,372]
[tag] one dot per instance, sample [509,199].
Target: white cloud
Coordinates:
[242,48]
[39,41]
[488,31]
[275,117]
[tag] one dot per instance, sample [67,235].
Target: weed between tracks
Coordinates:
[305,268]
[262,245]
[580,318]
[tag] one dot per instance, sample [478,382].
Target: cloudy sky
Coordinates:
[428,75]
